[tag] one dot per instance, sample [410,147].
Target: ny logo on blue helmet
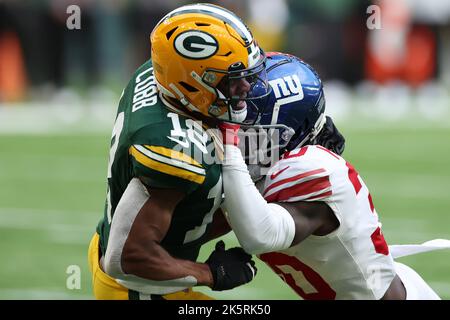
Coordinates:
[296,104]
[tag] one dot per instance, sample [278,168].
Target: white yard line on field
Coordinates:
[40,294]
[74,227]
[80,116]
[31,157]
[58,226]
[42,213]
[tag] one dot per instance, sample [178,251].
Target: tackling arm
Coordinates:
[261,226]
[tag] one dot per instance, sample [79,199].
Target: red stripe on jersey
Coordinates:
[302,189]
[379,243]
[353,176]
[326,150]
[297,177]
[301,152]
[322,195]
[372,207]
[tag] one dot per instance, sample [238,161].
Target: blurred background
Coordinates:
[386,71]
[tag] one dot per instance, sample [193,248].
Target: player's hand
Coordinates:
[229,133]
[230,268]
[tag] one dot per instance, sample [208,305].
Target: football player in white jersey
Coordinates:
[313,220]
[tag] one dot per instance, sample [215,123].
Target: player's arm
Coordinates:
[260,226]
[142,253]
[310,218]
[134,253]
[219,226]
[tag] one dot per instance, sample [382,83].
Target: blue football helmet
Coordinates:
[296,104]
[293,114]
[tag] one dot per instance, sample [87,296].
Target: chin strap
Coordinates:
[318,126]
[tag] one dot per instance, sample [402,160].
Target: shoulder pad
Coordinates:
[298,176]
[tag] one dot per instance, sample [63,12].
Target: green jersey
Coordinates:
[165,150]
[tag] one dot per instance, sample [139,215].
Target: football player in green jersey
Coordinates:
[164,180]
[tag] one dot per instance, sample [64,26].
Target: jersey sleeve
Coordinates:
[158,163]
[159,142]
[301,175]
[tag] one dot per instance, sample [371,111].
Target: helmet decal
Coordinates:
[287,89]
[195,44]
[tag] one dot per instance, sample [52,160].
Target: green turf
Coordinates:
[52,190]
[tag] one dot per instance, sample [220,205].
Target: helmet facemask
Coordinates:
[237,91]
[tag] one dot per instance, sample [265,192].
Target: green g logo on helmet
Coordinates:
[195,44]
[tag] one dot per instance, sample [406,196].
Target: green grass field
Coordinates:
[52,190]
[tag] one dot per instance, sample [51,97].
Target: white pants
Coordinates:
[416,287]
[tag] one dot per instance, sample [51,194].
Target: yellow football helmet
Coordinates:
[205,57]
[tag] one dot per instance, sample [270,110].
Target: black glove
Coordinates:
[230,268]
[330,137]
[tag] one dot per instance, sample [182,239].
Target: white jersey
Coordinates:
[352,262]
